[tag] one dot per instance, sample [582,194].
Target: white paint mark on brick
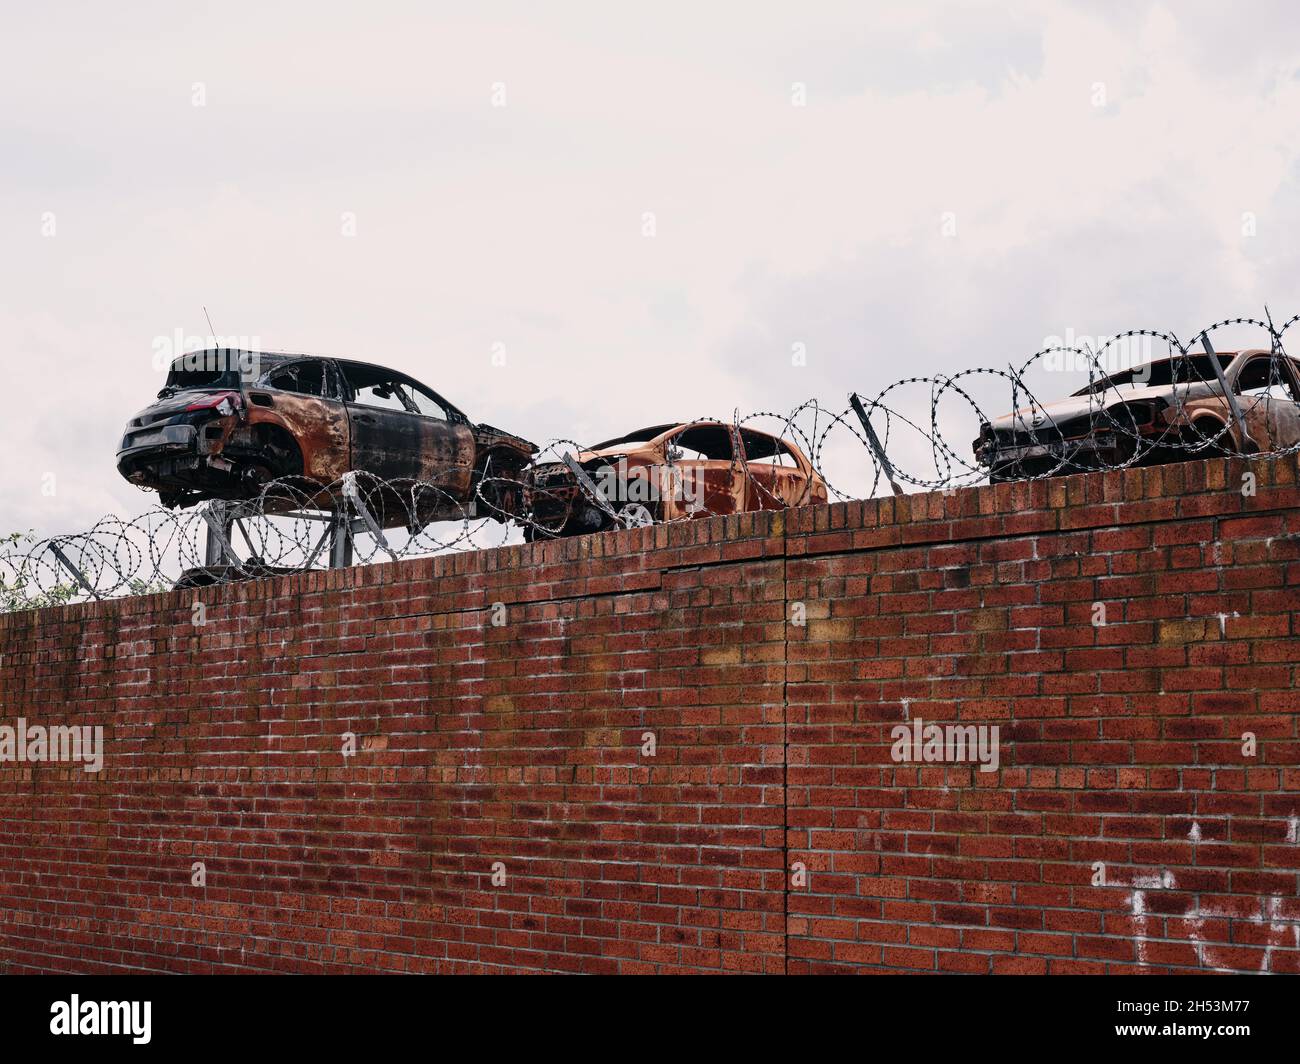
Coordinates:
[1163,881]
[1139,902]
[1223,621]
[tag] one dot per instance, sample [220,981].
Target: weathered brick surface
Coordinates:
[521,746]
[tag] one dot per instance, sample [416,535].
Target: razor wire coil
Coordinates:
[287,526]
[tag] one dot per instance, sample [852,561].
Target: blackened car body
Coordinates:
[227,423]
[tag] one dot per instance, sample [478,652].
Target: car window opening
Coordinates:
[1263,377]
[704,443]
[762,449]
[306,378]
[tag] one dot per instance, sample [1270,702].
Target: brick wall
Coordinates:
[505,811]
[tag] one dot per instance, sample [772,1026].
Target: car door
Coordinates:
[704,472]
[447,440]
[393,439]
[303,397]
[1267,402]
[774,478]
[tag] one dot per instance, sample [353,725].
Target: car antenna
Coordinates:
[211,331]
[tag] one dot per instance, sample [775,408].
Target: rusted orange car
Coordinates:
[1167,410]
[669,473]
[228,422]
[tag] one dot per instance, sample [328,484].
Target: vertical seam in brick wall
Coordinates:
[785,747]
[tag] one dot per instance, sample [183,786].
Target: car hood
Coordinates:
[489,435]
[638,450]
[584,457]
[633,450]
[174,404]
[1082,405]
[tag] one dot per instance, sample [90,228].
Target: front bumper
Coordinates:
[992,455]
[179,455]
[555,500]
[160,439]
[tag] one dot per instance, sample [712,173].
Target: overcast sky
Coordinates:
[645,210]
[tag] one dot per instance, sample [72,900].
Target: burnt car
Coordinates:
[227,423]
[667,473]
[1170,409]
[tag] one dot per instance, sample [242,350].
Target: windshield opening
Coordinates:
[1195,369]
[213,369]
[639,436]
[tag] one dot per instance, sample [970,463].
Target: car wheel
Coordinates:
[635,515]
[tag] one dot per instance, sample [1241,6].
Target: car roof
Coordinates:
[274,358]
[653,432]
[268,360]
[1226,360]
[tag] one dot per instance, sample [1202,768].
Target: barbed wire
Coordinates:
[1173,408]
